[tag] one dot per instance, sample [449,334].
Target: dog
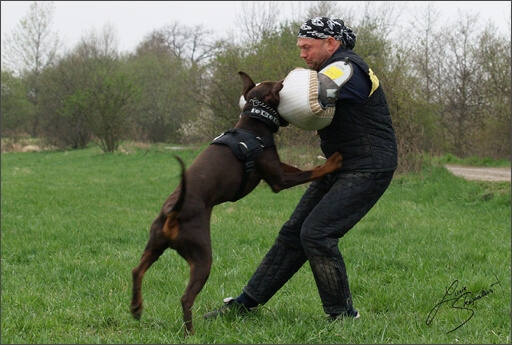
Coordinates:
[227,170]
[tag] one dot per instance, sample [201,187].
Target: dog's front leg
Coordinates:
[289,169]
[289,176]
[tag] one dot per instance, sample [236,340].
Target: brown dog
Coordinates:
[226,171]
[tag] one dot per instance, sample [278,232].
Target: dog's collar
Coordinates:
[265,113]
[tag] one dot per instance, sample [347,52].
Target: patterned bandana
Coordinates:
[323,27]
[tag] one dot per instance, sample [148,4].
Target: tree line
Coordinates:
[448,84]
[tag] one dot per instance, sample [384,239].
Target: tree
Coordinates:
[32,45]
[88,93]
[426,53]
[492,54]
[410,84]
[65,123]
[184,43]
[460,80]
[107,119]
[153,115]
[31,48]
[258,18]
[324,9]
[170,68]
[16,110]
[107,92]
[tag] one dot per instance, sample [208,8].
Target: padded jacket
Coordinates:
[361,130]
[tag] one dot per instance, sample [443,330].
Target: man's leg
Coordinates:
[349,200]
[281,262]
[286,256]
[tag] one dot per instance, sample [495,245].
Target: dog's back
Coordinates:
[213,178]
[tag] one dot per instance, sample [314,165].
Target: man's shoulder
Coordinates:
[344,54]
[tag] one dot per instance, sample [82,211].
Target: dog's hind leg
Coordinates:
[197,252]
[156,245]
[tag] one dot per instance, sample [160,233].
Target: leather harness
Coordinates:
[246,145]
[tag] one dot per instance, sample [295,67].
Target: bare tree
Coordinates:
[258,19]
[185,43]
[427,53]
[493,55]
[323,9]
[31,48]
[32,45]
[100,44]
[461,83]
[170,64]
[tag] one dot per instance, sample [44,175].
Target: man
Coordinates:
[361,130]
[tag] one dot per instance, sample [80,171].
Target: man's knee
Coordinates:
[316,241]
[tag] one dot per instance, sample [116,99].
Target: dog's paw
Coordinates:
[136,311]
[336,159]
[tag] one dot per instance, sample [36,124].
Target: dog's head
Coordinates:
[264,94]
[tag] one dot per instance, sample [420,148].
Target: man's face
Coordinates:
[315,51]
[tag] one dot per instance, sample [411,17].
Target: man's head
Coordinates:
[319,37]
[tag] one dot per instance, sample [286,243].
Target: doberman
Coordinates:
[227,170]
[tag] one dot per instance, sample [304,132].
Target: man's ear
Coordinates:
[332,43]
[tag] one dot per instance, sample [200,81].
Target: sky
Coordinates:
[133,20]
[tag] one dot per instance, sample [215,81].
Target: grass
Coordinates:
[74,224]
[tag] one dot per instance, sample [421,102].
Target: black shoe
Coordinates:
[354,314]
[231,306]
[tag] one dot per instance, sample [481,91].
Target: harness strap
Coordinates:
[246,146]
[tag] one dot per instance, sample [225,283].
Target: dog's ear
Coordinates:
[278,86]
[248,83]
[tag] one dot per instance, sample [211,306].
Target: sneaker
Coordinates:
[352,314]
[230,306]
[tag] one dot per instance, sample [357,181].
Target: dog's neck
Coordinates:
[263,112]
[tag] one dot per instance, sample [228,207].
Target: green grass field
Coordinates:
[433,255]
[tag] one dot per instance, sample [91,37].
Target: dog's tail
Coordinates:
[181,199]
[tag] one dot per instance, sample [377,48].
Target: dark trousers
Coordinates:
[329,208]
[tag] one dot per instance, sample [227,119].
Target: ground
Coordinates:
[480,173]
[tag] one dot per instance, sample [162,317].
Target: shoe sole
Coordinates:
[339,317]
[229,309]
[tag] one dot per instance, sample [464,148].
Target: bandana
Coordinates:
[323,27]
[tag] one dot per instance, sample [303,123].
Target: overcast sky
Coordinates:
[133,20]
